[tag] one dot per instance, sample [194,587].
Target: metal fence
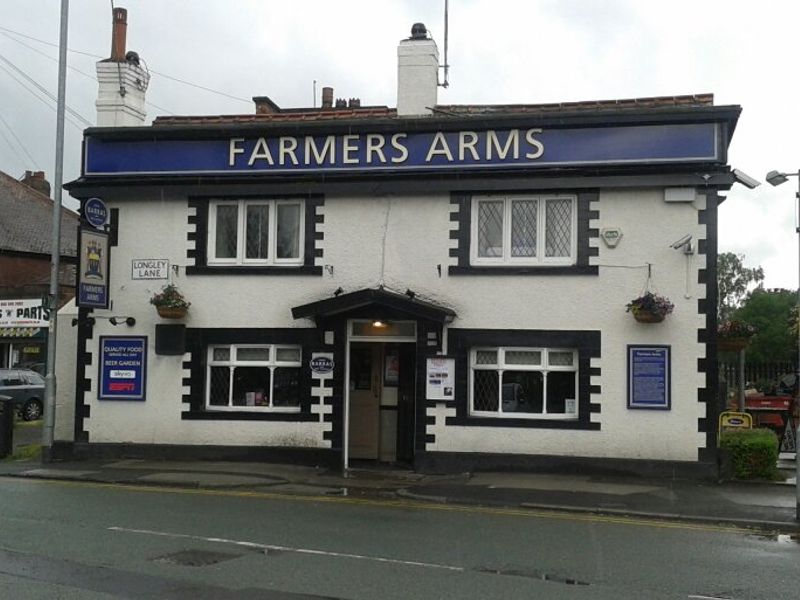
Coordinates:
[755,374]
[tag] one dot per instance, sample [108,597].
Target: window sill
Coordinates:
[254,270]
[523,270]
[535,423]
[247,415]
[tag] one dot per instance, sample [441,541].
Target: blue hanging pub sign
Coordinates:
[435,150]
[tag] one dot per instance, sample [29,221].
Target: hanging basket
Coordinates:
[732,344]
[645,316]
[171,312]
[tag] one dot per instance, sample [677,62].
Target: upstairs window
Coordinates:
[524,229]
[255,232]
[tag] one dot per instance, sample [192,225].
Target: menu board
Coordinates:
[440,378]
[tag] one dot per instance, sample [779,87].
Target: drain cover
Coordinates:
[195,558]
[533,575]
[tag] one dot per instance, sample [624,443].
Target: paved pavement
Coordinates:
[759,505]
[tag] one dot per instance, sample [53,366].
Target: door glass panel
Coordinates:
[360,368]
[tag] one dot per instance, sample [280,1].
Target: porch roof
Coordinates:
[380,297]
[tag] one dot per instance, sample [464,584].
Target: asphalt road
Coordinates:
[89,541]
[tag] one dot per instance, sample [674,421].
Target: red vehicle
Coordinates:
[769,411]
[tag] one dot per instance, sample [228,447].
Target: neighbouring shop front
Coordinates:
[23,334]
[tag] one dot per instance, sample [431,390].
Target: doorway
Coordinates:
[381,402]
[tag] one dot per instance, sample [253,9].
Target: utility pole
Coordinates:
[55,247]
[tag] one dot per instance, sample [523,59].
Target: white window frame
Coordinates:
[543,368]
[241,233]
[233,362]
[541,230]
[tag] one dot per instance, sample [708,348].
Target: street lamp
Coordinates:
[777,178]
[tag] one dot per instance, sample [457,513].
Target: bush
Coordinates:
[754,453]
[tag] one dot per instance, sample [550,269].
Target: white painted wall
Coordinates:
[67,338]
[415,230]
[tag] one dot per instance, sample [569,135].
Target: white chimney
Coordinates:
[417,73]
[122,81]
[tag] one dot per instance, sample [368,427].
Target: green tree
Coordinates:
[734,281]
[772,313]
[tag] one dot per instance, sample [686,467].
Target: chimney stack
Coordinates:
[122,82]
[417,73]
[37,181]
[119,34]
[327,97]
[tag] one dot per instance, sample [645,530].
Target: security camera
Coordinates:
[687,239]
[745,179]
[685,242]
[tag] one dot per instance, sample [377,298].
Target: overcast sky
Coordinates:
[500,51]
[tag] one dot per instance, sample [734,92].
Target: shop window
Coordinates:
[253,377]
[256,232]
[524,383]
[524,230]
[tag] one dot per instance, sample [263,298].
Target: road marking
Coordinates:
[410,505]
[258,546]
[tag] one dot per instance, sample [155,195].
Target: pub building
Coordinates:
[437,286]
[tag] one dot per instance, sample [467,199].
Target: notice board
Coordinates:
[649,377]
[123,367]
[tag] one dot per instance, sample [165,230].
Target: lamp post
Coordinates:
[777,178]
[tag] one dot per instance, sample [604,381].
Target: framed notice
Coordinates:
[92,269]
[123,367]
[649,377]
[440,375]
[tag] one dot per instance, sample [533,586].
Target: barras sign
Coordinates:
[508,148]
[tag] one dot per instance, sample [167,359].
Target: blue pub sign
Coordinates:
[649,377]
[123,367]
[523,147]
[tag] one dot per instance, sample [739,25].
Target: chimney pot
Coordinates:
[341,103]
[355,103]
[327,97]
[118,35]
[36,180]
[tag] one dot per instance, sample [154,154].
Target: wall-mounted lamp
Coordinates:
[129,321]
